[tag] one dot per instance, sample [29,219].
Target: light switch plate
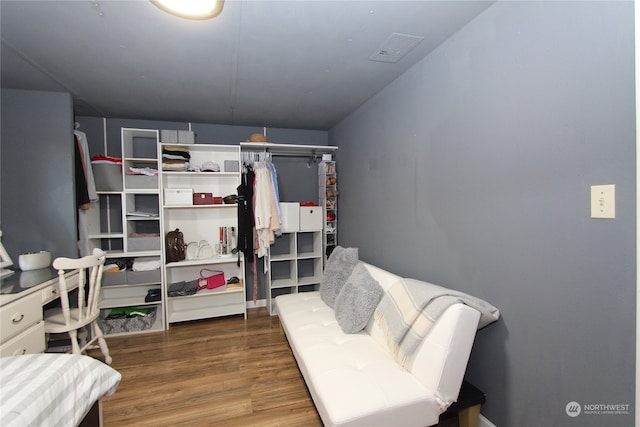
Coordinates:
[603,201]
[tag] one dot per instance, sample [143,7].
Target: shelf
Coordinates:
[294,260]
[129,190]
[282,257]
[282,283]
[148,160]
[125,302]
[208,261]
[207,293]
[143,218]
[200,174]
[309,255]
[230,205]
[106,236]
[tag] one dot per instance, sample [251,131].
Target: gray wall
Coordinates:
[473,170]
[296,181]
[37,198]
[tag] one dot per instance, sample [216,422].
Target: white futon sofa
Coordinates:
[353,378]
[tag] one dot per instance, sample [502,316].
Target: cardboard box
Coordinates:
[290,216]
[310,218]
[178,196]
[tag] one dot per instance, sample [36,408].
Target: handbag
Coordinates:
[176,249]
[211,279]
[199,250]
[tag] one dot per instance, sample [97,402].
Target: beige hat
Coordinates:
[257,137]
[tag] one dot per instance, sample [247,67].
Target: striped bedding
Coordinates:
[52,389]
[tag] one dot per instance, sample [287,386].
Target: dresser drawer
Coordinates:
[17,316]
[51,292]
[30,341]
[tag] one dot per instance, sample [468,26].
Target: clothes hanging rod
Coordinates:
[293,150]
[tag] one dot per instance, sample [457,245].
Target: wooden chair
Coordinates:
[70,319]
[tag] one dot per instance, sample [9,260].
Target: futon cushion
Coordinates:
[357,300]
[339,266]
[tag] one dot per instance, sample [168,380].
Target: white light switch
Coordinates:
[603,201]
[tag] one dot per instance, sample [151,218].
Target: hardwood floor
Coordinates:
[224,371]
[217,372]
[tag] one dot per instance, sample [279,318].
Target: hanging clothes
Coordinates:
[245,213]
[267,219]
[86,194]
[274,182]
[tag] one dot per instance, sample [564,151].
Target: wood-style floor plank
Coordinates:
[226,371]
[217,372]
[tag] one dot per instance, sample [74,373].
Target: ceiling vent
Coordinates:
[395,47]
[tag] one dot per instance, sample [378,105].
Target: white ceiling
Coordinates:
[291,64]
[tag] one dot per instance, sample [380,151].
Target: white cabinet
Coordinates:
[129,227]
[328,195]
[213,223]
[22,329]
[295,264]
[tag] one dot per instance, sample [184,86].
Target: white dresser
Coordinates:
[22,296]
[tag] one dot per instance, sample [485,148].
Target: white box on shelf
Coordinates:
[310,218]
[178,196]
[290,216]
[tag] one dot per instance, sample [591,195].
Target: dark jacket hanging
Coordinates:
[245,214]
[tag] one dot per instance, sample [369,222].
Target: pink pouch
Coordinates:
[211,279]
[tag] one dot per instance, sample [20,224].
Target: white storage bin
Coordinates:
[290,216]
[178,196]
[310,218]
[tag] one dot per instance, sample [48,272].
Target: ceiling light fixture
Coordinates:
[191,9]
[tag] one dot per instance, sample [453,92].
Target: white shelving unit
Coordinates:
[328,196]
[296,258]
[130,228]
[295,264]
[203,222]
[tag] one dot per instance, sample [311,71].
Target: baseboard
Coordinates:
[483,422]
[258,303]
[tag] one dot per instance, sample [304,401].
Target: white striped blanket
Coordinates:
[51,389]
[409,308]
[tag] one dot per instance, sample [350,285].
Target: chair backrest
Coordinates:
[91,267]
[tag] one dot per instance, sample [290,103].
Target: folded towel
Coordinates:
[146,264]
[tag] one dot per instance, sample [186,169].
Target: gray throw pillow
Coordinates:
[357,300]
[338,269]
